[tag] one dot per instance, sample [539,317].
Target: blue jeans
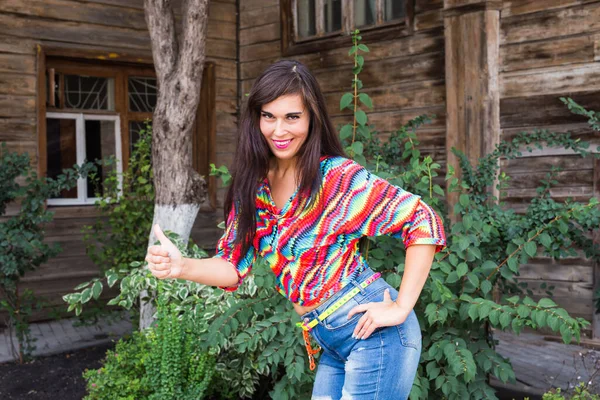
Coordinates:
[381,367]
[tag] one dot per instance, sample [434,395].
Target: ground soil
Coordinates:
[56,377]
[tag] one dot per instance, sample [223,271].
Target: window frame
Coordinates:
[80,118]
[291,44]
[93,62]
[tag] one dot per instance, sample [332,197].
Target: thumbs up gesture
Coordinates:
[164,260]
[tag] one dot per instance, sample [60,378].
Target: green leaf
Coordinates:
[505,319]
[363,47]
[357,147]
[513,265]
[530,249]
[452,277]
[545,239]
[361,117]
[546,303]
[82,285]
[86,295]
[111,279]
[360,60]
[96,290]
[486,286]
[467,221]
[463,242]
[346,132]
[488,267]
[462,269]
[494,317]
[464,200]
[365,99]
[346,100]
[472,277]
[474,311]
[523,311]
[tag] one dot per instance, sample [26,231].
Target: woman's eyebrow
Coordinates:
[290,114]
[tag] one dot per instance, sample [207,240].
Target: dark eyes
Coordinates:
[290,117]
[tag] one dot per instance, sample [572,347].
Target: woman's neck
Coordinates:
[283,167]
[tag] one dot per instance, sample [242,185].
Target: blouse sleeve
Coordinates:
[232,252]
[380,208]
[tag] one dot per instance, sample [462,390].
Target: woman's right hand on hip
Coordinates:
[164,260]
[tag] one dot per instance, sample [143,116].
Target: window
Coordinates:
[312,25]
[74,138]
[94,110]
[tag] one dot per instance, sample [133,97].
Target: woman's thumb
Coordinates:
[161,236]
[386,295]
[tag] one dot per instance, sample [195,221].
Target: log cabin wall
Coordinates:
[403,75]
[550,49]
[113,30]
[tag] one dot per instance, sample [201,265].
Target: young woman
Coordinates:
[297,201]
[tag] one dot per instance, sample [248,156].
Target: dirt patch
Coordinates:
[51,377]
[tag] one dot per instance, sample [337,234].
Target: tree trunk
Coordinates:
[179,63]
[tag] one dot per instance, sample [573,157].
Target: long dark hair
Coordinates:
[251,162]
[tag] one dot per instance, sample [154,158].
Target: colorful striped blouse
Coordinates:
[313,251]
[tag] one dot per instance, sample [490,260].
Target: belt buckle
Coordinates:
[304,325]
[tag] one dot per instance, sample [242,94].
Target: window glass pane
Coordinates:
[61,150]
[393,9]
[333,15]
[99,144]
[306,18]
[142,93]
[89,92]
[364,12]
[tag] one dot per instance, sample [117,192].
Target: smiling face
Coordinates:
[284,123]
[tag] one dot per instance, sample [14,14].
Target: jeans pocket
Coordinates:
[339,318]
[410,332]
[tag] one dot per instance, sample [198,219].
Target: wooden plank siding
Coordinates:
[404,76]
[549,50]
[104,30]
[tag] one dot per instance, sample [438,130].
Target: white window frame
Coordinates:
[80,118]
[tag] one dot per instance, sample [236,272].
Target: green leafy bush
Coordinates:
[581,392]
[22,247]
[163,362]
[121,376]
[485,250]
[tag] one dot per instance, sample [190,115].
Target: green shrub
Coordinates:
[581,392]
[22,247]
[163,362]
[177,368]
[122,372]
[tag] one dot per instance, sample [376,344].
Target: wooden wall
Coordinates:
[404,76]
[548,50]
[116,30]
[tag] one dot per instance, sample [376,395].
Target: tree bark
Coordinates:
[179,61]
